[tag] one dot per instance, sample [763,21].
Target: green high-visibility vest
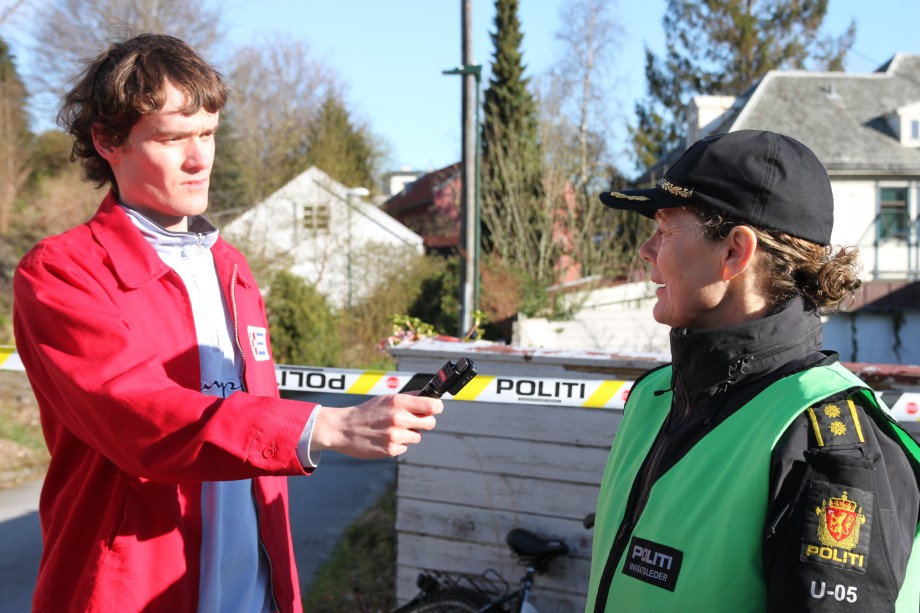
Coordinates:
[698,543]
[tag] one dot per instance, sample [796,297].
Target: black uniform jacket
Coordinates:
[833,464]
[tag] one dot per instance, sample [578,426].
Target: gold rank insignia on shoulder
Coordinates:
[836,423]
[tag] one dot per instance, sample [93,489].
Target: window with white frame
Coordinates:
[316,217]
[905,123]
[893,217]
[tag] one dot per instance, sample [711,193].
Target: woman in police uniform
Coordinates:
[754,472]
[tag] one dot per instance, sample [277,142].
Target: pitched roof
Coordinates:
[887,297]
[420,191]
[307,187]
[840,116]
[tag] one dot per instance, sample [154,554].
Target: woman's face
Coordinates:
[688,269]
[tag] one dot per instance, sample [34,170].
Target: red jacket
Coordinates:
[106,334]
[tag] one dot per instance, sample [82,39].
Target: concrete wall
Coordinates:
[612,320]
[608,329]
[619,320]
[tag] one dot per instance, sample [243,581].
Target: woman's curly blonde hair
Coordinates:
[825,278]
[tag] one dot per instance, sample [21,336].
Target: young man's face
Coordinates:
[164,167]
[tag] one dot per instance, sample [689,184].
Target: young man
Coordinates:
[145,339]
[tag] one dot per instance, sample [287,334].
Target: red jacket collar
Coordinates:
[133,260]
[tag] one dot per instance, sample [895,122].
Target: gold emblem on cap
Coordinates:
[623,196]
[677,190]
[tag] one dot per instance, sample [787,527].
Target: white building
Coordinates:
[325,231]
[865,129]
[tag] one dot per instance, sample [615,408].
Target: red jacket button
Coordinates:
[269,452]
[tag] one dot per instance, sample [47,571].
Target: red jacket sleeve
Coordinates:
[114,364]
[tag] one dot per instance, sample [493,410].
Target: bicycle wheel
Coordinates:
[451,601]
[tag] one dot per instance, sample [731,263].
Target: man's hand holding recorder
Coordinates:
[385,426]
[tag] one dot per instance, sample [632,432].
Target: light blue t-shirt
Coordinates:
[234,567]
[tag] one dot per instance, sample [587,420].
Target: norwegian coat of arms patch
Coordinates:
[837,527]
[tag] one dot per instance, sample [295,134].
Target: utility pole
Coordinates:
[469,210]
[469,173]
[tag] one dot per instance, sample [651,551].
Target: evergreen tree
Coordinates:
[723,47]
[278,90]
[15,137]
[227,195]
[50,155]
[511,190]
[436,302]
[339,148]
[303,328]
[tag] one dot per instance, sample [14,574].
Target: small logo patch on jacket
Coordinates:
[652,563]
[258,340]
[834,533]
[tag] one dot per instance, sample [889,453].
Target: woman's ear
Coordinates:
[738,251]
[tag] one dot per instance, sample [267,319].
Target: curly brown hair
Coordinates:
[128,81]
[823,277]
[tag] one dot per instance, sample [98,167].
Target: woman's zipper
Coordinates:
[648,476]
[645,481]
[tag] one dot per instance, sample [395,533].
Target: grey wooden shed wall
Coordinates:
[491,467]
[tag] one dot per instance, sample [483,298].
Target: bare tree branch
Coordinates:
[10,10]
[69,32]
[277,91]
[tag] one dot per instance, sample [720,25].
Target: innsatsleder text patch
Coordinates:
[652,563]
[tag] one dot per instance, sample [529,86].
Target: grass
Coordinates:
[360,575]
[23,454]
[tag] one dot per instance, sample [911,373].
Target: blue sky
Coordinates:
[391,55]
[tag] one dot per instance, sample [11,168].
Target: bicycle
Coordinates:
[489,592]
